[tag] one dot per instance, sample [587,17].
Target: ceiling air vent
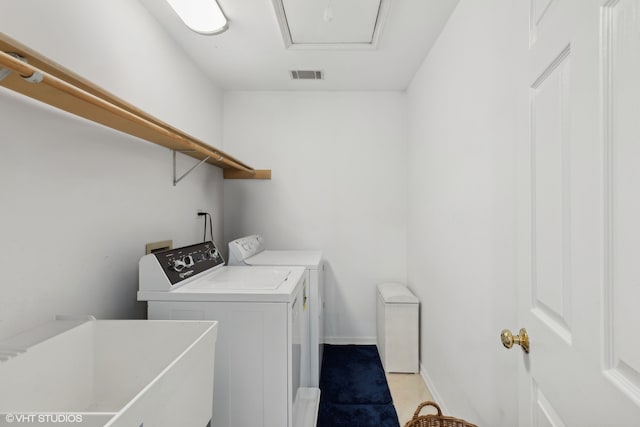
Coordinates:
[306,75]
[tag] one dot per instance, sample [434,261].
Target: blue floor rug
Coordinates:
[354,390]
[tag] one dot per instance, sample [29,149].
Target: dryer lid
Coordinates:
[309,259]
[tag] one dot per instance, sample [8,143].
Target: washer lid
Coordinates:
[236,284]
[236,278]
[309,259]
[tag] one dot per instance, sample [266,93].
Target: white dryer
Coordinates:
[251,251]
[258,363]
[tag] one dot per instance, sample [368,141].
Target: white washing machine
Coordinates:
[259,353]
[251,251]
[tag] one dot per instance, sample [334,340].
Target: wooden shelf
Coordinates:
[67,91]
[237,174]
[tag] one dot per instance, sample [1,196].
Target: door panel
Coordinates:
[544,414]
[621,65]
[551,274]
[538,11]
[579,215]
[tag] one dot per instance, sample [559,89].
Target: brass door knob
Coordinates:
[508,340]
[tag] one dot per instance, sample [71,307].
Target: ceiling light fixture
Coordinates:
[202,16]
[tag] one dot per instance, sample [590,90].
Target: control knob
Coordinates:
[177,265]
[212,254]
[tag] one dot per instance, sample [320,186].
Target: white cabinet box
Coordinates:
[397,328]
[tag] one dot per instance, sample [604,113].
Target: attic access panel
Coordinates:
[326,24]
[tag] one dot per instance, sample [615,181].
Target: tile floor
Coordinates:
[407,391]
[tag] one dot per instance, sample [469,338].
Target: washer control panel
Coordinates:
[181,263]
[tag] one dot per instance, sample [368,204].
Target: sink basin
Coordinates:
[110,373]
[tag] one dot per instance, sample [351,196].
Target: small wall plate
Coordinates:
[158,246]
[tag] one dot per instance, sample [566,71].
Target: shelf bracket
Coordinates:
[177,180]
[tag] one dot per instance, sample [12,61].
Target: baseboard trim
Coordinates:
[350,340]
[437,397]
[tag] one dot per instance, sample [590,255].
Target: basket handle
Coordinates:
[416,414]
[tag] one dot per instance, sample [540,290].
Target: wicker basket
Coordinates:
[435,420]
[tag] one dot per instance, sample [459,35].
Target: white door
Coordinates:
[579,216]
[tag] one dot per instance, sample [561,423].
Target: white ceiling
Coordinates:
[252,55]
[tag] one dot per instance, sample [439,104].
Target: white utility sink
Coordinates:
[129,373]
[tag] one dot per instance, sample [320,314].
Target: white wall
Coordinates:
[79,201]
[461,229]
[339,185]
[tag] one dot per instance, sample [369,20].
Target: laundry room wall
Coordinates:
[79,201]
[339,185]
[464,114]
